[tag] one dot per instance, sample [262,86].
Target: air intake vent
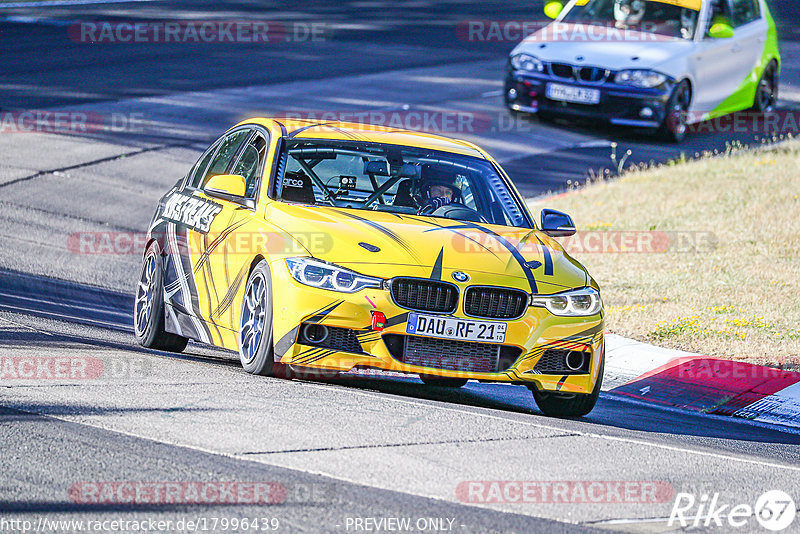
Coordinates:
[451,355]
[328,337]
[563,362]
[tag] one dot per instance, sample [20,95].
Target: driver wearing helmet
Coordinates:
[688,23]
[628,13]
[439,187]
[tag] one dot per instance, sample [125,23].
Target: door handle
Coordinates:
[736,48]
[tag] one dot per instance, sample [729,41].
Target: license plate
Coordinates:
[452,328]
[568,93]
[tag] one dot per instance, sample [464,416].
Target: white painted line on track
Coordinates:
[69,305]
[9,321]
[325,474]
[66,318]
[487,94]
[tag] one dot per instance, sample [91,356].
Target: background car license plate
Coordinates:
[568,93]
[452,328]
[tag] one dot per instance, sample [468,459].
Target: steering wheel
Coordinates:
[455,211]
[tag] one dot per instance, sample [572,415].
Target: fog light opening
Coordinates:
[575,360]
[314,334]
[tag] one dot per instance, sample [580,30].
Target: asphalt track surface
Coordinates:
[344,449]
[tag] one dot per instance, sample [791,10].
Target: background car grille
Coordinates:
[562,70]
[584,74]
[495,302]
[425,295]
[451,355]
[593,74]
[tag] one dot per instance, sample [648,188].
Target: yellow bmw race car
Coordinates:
[341,247]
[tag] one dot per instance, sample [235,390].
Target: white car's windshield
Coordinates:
[373,176]
[670,18]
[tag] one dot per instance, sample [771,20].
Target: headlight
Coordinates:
[640,78]
[322,275]
[576,303]
[527,63]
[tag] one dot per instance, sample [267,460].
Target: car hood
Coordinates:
[614,50]
[370,242]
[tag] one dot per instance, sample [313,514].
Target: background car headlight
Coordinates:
[640,78]
[322,275]
[527,63]
[576,303]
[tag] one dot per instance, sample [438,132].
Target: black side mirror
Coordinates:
[557,224]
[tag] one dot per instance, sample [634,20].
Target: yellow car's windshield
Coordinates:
[391,178]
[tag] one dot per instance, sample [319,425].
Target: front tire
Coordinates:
[256,351]
[674,127]
[568,405]
[148,309]
[767,91]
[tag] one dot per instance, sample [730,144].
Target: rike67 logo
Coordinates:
[775,511]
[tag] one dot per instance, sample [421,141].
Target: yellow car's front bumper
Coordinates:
[527,338]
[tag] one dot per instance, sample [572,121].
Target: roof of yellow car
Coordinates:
[349,131]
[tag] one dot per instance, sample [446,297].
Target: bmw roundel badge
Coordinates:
[458,276]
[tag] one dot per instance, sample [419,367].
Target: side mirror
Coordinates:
[231,185]
[553,9]
[557,224]
[720,30]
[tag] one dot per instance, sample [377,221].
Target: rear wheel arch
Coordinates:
[149,308]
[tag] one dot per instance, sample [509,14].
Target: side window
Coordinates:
[251,163]
[745,12]
[200,167]
[222,159]
[720,12]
